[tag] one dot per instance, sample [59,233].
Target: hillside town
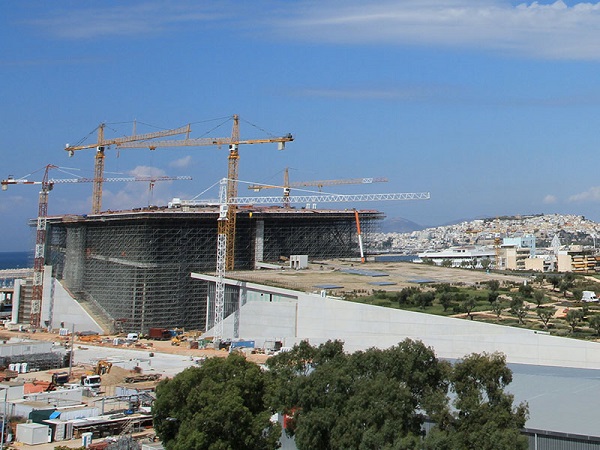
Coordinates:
[571,230]
[556,242]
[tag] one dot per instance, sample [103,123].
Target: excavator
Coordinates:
[102,367]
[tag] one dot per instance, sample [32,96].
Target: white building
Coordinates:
[468,254]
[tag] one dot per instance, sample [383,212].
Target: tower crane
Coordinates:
[225,203]
[319,183]
[226,227]
[100,147]
[47,184]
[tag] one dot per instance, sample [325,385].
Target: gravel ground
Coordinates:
[400,274]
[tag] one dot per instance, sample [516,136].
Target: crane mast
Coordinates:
[99,157]
[228,226]
[40,247]
[47,185]
[225,203]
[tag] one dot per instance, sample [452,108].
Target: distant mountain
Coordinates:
[399,225]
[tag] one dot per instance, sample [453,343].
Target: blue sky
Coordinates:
[489,105]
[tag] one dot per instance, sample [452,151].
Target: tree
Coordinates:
[447,262]
[403,297]
[220,405]
[370,399]
[446,300]
[468,305]
[494,285]
[486,263]
[554,281]
[538,297]
[519,309]
[497,308]
[566,283]
[585,309]
[595,323]
[539,278]
[545,314]
[423,299]
[493,296]
[485,418]
[526,290]
[574,316]
[378,399]
[444,287]
[564,287]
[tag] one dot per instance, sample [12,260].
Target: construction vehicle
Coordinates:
[102,367]
[177,340]
[60,378]
[7,374]
[159,334]
[90,338]
[140,378]
[91,381]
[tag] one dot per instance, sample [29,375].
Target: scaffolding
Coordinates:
[133,268]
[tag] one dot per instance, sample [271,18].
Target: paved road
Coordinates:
[167,364]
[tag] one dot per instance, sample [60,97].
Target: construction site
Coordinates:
[130,270]
[134,267]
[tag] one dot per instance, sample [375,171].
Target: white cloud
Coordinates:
[591,195]
[146,171]
[553,31]
[127,19]
[411,93]
[181,163]
[8,203]
[137,194]
[549,199]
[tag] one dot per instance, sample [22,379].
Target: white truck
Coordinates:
[91,381]
[589,296]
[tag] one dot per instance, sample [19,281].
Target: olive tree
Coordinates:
[220,405]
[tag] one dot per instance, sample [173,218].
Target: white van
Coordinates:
[132,337]
[589,296]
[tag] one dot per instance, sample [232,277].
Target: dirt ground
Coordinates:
[332,276]
[389,276]
[117,375]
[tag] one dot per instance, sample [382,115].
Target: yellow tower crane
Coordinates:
[287,185]
[226,227]
[47,184]
[100,147]
[225,203]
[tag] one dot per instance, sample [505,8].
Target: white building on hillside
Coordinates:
[470,255]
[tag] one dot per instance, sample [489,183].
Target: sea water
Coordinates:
[16,260]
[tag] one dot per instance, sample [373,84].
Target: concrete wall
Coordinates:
[534,264]
[318,319]
[564,262]
[68,311]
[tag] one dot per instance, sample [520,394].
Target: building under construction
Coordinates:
[134,266]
